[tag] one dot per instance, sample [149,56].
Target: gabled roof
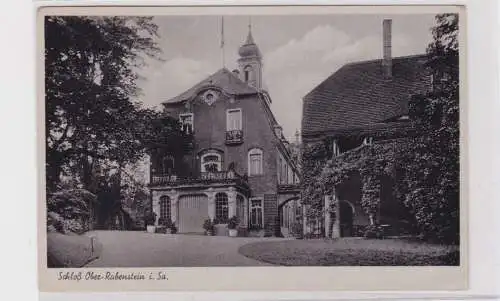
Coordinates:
[358,94]
[224,79]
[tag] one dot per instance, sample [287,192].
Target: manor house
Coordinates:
[241,164]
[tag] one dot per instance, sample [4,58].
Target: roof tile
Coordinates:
[358,94]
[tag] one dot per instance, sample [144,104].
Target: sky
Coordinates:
[299,52]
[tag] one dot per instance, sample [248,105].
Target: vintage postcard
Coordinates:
[255,148]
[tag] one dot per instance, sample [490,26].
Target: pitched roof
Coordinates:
[223,79]
[358,95]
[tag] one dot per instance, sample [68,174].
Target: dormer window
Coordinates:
[187,122]
[368,141]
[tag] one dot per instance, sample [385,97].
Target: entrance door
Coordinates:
[346,219]
[193,210]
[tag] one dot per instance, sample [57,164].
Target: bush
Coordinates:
[71,203]
[150,218]
[298,230]
[173,228]
[374,232]
[208,226]
[233,222]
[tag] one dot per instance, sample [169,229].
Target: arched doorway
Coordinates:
[290,215]
[346,218]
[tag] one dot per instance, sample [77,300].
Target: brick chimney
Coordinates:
[387,44]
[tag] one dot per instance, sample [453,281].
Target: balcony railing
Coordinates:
[289,188]
[234,137]
[223,177]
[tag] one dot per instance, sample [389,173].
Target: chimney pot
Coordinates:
[387,48]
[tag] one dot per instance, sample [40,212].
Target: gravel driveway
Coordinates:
[140,249]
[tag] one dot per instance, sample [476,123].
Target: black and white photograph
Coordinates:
[252,140]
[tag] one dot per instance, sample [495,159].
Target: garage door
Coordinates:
[193,210]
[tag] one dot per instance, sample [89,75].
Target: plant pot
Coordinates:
[150,228]
[233,232]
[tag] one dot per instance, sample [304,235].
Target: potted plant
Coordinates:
[150,222]
[209,227]
[167,224]
[232,224]
[161,226]
[173,228]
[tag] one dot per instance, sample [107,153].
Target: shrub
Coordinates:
[208,225]
[233,222]
[173,228]
[150,218]
[374,231]
[298,230]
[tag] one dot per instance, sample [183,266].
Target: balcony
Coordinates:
[234,137]
[289,188]
[204,179]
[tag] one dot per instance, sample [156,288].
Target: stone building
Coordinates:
[361,104]
[240,164]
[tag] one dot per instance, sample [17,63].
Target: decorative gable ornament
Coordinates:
[210,97]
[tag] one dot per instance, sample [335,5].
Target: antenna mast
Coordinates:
[222,42]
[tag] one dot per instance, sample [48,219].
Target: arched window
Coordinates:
[211,162]
[246,71]
[240,207]
[165,212]
[221,208]
[168,165]
[255,159]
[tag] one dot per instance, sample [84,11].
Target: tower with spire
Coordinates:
[250,61]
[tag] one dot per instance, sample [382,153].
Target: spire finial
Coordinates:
[249,40]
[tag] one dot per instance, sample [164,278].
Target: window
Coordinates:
[336,148]
[240,207]
[255,162]
[211,162]
[256,213]
[187,124]
[368,141]
[283,171]
[246,72]
[221,207]
[290,175]
[280,163]
[165,212]
[168,165]
[233,120]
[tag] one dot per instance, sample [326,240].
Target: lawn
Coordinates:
[352,252]
[71,251]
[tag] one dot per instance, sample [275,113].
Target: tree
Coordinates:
[91,66]
[432,175]
[96,126]
[424,164]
